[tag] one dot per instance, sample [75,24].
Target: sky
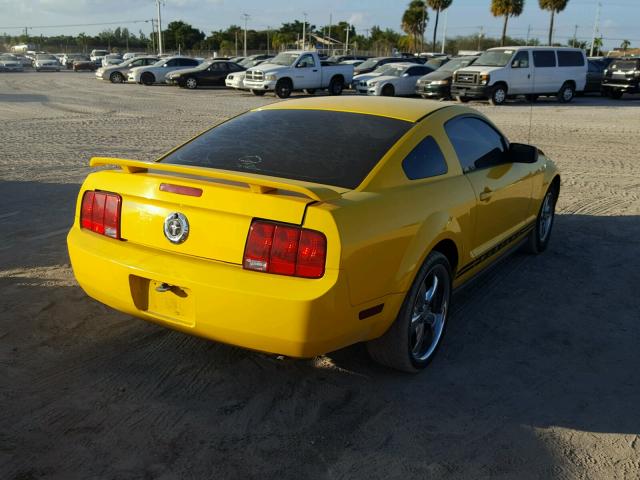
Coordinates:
[619,19]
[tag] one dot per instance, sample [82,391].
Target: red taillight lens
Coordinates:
[285,250]
[100,213]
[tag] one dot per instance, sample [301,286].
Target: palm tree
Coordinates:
[438,6]
[597,44]
[506,9]
[414,21]
[624,45]
[554,6]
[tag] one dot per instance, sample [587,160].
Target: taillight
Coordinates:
[285,250]
[100,213]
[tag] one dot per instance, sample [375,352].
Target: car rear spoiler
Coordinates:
[257,183]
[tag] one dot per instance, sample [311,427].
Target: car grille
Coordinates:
[255,75]
[362,83]
[466,77]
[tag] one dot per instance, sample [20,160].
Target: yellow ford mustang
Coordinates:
[309,225]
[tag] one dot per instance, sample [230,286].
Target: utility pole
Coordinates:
[329,35]
[575,35]
[444,31]
[595,28]
[236,43]
[528,33]
[246,17]
[268,27]
[304,31]
[159,29]
[346,44]
[480,35]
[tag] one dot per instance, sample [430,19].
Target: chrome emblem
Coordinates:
[176,228]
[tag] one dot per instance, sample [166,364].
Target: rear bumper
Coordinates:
[470,91]
[270,313]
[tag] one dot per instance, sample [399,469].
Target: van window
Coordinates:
[569,58]
[425,160]
[521,60]
[544,58]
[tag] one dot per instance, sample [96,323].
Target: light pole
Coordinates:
[346,44]
[159,29]
[246,17]
[595,28]
[304,31]
[268,27]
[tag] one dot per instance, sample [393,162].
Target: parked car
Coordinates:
[109,60]
[83,62]
[297,70]
[595,73]
[372,63]
[622,76]
[355,63]
[504,72]
[399,79]
[437,62]
[206,75]
[236,80]
[59,56]
[157,72]
[360,81]
[68,58]
[119,73]
[344,58]
[336,222]
[97,56]
[46,62]
[129,55]
[254,60]
[26,62]
[10,63]
[438,84]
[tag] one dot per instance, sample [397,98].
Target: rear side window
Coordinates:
[425,160]
[569,58]
[477,144]
[544,58]
[331,148]
[188,62]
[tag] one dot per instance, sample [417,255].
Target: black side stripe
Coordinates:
[495,249]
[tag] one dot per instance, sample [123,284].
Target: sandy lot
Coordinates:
[537,378]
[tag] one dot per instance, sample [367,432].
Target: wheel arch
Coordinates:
[337,76]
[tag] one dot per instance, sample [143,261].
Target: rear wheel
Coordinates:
[388,91]
[258,93]
[116,77]
[617,94]
[283,88]
[191,83]
[415,336]
[147,78]
[566,93]
[336,86]
[498,95]
[539,237]
[461,99]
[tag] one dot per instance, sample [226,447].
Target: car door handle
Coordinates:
[485,195]
[315,69]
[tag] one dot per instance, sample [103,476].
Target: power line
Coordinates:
[75,25]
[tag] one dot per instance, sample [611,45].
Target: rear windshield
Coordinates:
[331,148]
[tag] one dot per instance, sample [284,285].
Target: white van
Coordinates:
[500,73]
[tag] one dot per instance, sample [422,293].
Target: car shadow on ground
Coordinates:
[537,344]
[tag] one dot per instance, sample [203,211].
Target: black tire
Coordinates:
[566,93]
[191,83]
[461,99]
[116,77]
[616,94]
[394,347]
[283,88]
[310,91]
[498,95]
[531,98]
[336,85]
[388,91]
[258,93]
[538,239]
[147,78]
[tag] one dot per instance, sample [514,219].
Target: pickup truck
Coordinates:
[297,70]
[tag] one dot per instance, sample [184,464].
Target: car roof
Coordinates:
[406,109]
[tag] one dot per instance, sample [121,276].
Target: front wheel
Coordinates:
[191,83]
[147,78]
[498,95]
[283,88]
[116,77]
[566,93]
[258,93]
[538,239]
[413,339]
[461,99]
[388,91]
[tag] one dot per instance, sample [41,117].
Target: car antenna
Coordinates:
[531,100]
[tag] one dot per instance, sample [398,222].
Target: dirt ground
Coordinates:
[537,377]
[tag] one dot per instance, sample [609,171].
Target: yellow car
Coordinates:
[305,226]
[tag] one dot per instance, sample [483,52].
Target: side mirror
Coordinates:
[405,74]
[522,153]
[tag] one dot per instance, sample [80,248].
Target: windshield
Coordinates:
[285,59]
[45,57]
[455,64]
[494,58]
[383,69]
[342,155]
[372,62]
